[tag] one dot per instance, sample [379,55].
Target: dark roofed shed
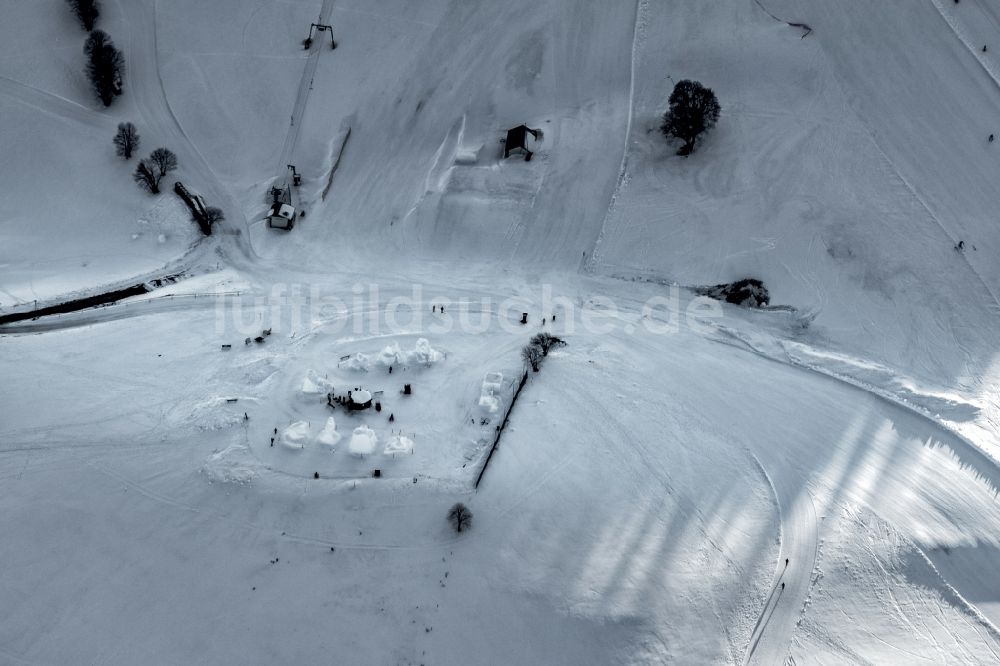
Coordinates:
[517,138]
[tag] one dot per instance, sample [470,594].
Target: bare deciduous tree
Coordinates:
[164,160]
[145,176]
[151,170]
[126,140]
[532,355]
[460,517]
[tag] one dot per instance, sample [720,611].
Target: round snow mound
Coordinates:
[329,436]
[398,444]
[363,441]
[361,397]
[295,435]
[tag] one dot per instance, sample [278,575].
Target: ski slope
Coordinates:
[811,484]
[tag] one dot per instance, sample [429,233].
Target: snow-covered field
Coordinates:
[684,482]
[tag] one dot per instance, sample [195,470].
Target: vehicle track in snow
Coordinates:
[56,105]
[589,261]
[790,586]
[994,74]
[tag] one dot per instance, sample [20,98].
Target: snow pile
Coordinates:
[313,385]
[231,465]
[398,444]
[363,441]
[422,354]
[393,355]
[358,362]
[295,435]
[211,414]
[329,435]
[489,398]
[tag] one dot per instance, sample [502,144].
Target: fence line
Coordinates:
[500,428]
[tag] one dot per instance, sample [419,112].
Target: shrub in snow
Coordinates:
[105,66]
[460,517]
[749,292]
[213,215]
[693,109]
[126,140]
[151,170]
[86,11]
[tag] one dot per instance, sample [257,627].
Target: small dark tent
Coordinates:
[517,138]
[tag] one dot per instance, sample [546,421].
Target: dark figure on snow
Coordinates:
[991,138]
[782,586]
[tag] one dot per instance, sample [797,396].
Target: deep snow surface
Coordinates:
[649,487]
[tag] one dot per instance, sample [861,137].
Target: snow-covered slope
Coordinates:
[810,484]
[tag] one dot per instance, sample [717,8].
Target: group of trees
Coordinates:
[538,348]
[693,109]
[150,171]
[104,68]
[105,64]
